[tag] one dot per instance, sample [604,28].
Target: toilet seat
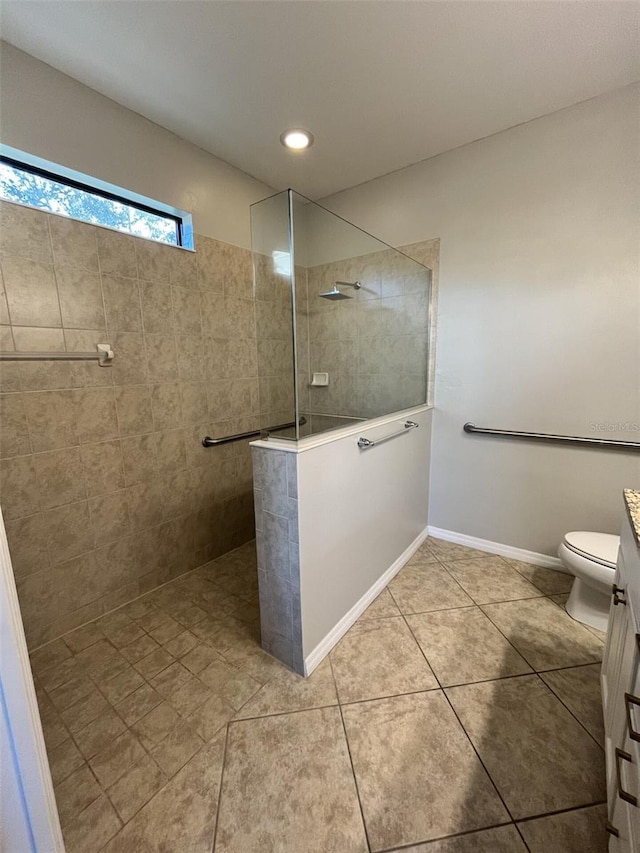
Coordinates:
[601,548]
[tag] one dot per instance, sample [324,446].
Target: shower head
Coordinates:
[334,294]
[337,294]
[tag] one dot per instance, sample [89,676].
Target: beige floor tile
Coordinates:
[464,646]
[544,635]
[417,774]
[136,787]
[579,831]
[76,792]
[259,665]
[491,579]
[139,703]
[539,757]
[451,551]
[189,696]
[99,734]
[189,615]
[379,658]
[138,608]
[199,658]
[49,656]
[210,717]
[63,760]
[156,725]
[170,680]
[561,601]
[384,605]
[151,618]
[140,649]
[177,748]
[116,689]
[579,689]
[85,710]
[601,635]
[60,673]
[426,586]
[422,555]
[154,663]
[102,661]
[71,692]
[288,786]
[111,763]
[125,634]
[54,730]
[83,637]
[93,827]
[230,682]
[503,839]
[548,581]
[181,817]
[183,643]
[167,630]
[291,692]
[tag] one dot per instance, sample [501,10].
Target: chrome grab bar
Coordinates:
[365,443]
[605,443]
[207,441]
[104,355]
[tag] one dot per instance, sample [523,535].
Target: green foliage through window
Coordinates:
[27,187]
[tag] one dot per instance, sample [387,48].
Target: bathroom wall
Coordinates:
[50,115]
[539,313]
[105,488]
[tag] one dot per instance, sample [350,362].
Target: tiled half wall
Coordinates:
[105,488]
[276,505]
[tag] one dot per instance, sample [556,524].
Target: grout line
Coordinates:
[219,798]
[353,772]
[522,838]
[522,654]
[564,704]
[465,833]
[562,811]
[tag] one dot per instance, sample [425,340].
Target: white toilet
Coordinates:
[591,557]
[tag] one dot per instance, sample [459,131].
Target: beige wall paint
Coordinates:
[538,319]
[105,488]
[48,114]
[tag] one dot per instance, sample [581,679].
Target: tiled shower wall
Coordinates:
[105,488]
[375,347]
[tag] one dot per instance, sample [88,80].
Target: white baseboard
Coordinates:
[498,548]
[340,629]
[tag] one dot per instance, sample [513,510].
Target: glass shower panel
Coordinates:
[360,320]
[273,290]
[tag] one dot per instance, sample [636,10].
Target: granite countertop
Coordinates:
[632,500]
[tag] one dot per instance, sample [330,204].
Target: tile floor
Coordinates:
[460,714]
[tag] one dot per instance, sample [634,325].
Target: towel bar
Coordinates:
[366,443]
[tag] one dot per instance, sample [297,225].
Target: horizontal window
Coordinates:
[33,185]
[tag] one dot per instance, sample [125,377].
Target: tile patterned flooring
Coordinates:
[460,714]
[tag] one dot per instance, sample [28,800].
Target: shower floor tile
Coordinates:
[169,729]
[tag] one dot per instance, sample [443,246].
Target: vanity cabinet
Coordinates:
[621,699]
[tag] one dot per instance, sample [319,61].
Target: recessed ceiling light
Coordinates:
[297,139]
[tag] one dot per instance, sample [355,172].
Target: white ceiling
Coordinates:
[380,84]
